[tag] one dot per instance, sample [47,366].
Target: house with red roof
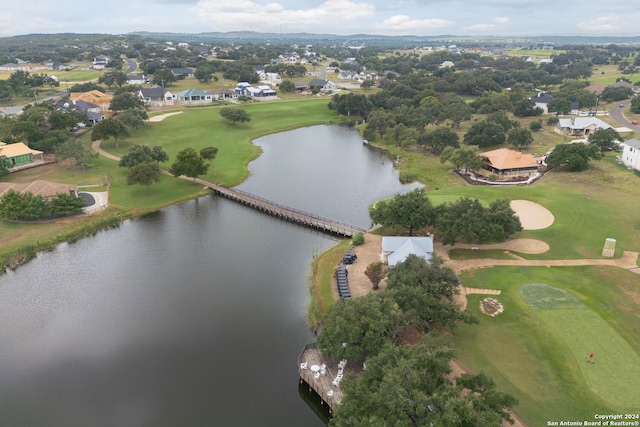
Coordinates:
[508,164]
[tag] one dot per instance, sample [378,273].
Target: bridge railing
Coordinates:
[294,210]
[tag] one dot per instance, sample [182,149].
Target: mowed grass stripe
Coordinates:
[615,374]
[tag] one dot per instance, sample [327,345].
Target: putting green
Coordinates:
[616,368]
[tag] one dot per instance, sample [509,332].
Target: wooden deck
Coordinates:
[286,213]
[324,383]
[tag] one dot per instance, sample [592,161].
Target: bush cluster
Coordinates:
[28,207]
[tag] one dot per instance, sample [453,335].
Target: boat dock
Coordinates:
[323,375]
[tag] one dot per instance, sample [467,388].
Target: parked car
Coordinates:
[634,122]
[621,105]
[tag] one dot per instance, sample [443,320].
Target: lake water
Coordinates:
[191,316]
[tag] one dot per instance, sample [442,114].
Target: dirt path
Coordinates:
[161,117]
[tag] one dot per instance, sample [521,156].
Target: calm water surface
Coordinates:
[193,316]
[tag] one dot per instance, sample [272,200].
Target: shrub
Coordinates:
[551,121]
[535,126]
[357,239]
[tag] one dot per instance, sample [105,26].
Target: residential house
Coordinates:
[325,85]
[526,58]
[222,94]
[369,75]
[302,87]
[396,249]
[348,75]
[260,71]
[194,96]
[241,88]
[156,96]
[580,126]
[631,154]
[545,61]
[100,62]
[186,72]
[45,189]
[93,97]
[542,102]
[92,111]
[446,64]
[575,108]
[137,79]
[19,155]
[507,164]
[58,66]
[261,92]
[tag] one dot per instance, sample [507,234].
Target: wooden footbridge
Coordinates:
[286,213]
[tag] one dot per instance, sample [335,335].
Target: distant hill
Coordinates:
[372,39]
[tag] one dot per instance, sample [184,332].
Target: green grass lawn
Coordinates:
[540,355]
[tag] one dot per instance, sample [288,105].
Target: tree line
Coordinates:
[464,220]
[408,383]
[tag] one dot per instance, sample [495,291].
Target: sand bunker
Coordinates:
[532,215]
[161,117]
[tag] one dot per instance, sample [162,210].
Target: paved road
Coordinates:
[14,110]
[132,66]
[617,114]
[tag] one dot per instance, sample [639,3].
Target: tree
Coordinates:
[138,154]
[635,105]
[4,166]
[145,173]
[468,221]
[113,78]
[133,118]
[439,139]
[74,149]
[425,291]
[519,138]
[410,210]
[351,103]
[367,84]
[376,271]
[23,206]
[65,204]
[287,86]
[189,162]
[605,139]
[467,158]
[163,77]
[486,133]
[535,126]
[110,128]
[235,115]
[574,157]
[361,327]
[524,108]
[125,101]
[410,385]
[210,153]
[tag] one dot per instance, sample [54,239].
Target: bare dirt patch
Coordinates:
[368,253]
[533,216]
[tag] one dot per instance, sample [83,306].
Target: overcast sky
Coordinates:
[343,17]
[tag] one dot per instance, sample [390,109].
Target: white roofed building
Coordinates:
[395,249]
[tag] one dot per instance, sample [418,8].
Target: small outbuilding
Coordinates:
[395,249]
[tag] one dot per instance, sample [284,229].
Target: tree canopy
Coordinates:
[145,173]
[573,157]
[410,210]
[406,385]
[235,115]
[141,154]
[110,128]
[486,133]
[189,162]
[605,139]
